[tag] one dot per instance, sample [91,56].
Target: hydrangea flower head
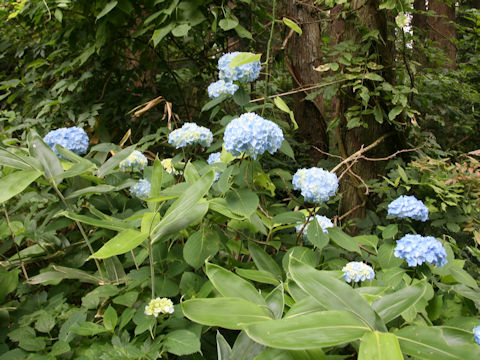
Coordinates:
[135,161]
[189,134]
[169,167]
[244,73]
[417,249]
[323,221]
[73,138]
[221,87]
[357,271]
[212,159]
[316,185]
[408,207]
[141,189]
[252,134]
[476,334]
[159,306]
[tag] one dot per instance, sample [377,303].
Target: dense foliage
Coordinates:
[160,202]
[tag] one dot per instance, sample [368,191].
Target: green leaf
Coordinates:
[395,112]
[9,281]
[332,293]
[374,77]
[87,329]
[243,33]
[244,58]
[159,34]
[99,189]
[186,209]
[60,347]
[111,163]
[390,231]
[109,7]
[212,103]
[462,276]
[245,348]
[264,261]
[62,272]
[110,223]
[321,329]
[230,285]
[121,243]
[241,97]
[379,346]
[431,343]
[230,313]
[343,240]
[20,162]
[228,24]
[388,307]
[181,342]
[14,183]
[260,276]
[287,149]
[200,246]
[243,202]
[276,301]
[386,256]
[44,153]
[110,318]
[292,25]
[190,173]
[316,235]
[181,30]
[289,217]
[278,354]
[401,20]
[223,348]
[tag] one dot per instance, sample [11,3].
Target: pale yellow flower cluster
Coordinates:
[159,306]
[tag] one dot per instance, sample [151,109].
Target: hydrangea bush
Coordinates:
[228,253]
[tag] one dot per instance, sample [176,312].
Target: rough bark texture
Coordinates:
[305,53]
[419,24]
[441,28]
[369,16]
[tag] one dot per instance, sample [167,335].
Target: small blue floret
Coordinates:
[408,207]
[316,185]
[417,249]
[220,88]
[253,135]
[74,139]
[189,134]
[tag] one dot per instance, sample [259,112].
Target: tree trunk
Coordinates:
[441,29]
[353,200]
[304,53]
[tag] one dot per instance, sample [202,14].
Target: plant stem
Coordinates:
[80,227]
[152,269]
[269,44]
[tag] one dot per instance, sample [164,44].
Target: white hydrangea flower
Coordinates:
[159,306]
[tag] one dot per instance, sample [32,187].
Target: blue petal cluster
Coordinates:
[135,161]
[212,159]
[190,133]
[323,221]
[417,249]
[244,73]
[74,139]
[141,189]
[476,334]
[220,88]
[408,207]
[357,271]
[252,134]
[316,185]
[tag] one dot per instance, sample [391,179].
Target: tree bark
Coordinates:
[441,29]
[305,53]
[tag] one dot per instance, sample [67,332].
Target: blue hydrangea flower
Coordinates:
[212,159]
[408,207]
[417,249]
[73,138]
[323,221]
[220,88]
[476,334]
[357,271]
[190,133]
[141,189]
[252,134]
[316,185]
[135,161]
[244,73]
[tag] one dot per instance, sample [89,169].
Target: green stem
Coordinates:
[80,227]
[267,62]
[152,269]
